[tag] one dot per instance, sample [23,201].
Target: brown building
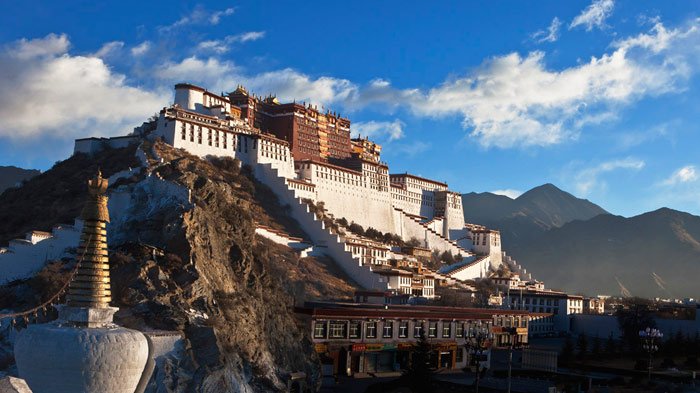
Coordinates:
[310,133]
[358,339]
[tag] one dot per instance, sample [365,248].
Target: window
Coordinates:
[354,329]
[459,331]
[417,329]
[459,358]
[432,329]
[371,330]
[403,329]
[337,329]
[320,330]
[388,329]
[446,329]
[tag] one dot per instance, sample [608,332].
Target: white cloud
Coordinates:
[109,49]
[509,192]
[588,179]
[552,33]
[247,36]
[141,49]
[686,174]
[509,101]
[55,93]
[51,45]
[517,101]
[223,46]
[389,130]
[215,17]
[594,15]
[198,16]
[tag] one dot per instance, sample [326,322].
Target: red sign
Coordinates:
[359,347]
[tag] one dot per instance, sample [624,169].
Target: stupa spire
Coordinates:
[91,285]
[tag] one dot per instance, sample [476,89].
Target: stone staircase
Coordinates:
[515,267]
[303,247]
[434,239]
[324,241]
[473,267]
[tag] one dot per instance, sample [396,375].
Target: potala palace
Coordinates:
[309,160]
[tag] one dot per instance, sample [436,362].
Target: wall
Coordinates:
[22,258]
[324,241]
[347,193]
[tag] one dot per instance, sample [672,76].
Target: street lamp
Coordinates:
[512,333]
[477,336]
[649,338]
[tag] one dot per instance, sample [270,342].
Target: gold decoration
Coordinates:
[91,285]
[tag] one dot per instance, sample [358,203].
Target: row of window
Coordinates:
[337,330]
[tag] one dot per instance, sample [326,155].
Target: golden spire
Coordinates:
[90,286]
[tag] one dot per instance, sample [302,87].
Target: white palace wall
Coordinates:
[349,194]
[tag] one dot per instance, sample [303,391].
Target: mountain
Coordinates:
[529,215]
[588,256]
[11,175]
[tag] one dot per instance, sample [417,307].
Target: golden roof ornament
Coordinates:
[91,285]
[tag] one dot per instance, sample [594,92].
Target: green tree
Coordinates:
[420,372]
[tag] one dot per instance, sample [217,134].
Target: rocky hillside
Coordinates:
[11,175]
[57,195]
[522,219]
[587,256]
[228,291]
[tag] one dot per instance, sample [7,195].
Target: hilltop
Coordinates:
[11,175]
[529,215]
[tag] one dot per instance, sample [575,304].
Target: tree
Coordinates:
[596,347]
[633,317]
[447,257]
[582,345]
[610,346]
[420,372]
[356,229]
[567,352]
[413,242]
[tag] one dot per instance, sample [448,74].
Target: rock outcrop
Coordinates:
[194,264]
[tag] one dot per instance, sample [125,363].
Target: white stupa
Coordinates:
[83,351]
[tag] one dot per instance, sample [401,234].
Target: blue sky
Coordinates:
[600,98]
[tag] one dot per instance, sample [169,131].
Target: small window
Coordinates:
[371,330]
[417,329]
[432,329]
[388,329]
[337,330]
[320,329]
[354,329]
[403,329]
[446,329]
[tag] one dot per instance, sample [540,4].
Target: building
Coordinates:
[357,339]
[310,132]
[305,156]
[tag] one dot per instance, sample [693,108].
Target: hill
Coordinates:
[587,256]
[524,218]
[11,175]
[229,292]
